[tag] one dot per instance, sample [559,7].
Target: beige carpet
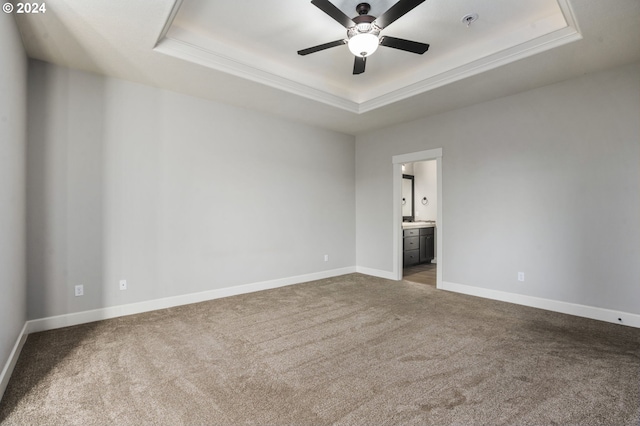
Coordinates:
[346,350]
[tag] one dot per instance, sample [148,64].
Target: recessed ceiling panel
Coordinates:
[259,41]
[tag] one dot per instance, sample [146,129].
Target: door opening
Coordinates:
[419,221]
[418,235]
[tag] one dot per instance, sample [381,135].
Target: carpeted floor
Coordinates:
[348,350]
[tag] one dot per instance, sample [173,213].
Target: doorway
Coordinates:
[427,206]
[419,217]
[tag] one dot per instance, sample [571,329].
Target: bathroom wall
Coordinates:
[426,185]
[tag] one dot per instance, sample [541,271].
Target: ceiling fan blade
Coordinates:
[321,47]
[358,65]
[330,9]
[402,44]
[396,11]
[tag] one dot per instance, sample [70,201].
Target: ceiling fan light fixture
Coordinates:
[363,31]
[363,45]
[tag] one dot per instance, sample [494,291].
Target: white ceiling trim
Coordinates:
[189,52]
[214,60]
[224,63]
[546,42]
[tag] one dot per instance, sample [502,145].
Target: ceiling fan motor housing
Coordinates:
[363,22]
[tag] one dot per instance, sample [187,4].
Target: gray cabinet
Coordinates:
[418,246]
[426,245]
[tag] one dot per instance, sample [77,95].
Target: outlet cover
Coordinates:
[520,276]
[326,257]
[123,284]
[79,290]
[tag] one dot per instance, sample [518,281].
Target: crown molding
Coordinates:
[220,62]
[521,51]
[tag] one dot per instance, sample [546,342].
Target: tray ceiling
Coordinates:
[260,43]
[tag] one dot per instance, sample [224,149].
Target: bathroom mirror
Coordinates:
[408,211]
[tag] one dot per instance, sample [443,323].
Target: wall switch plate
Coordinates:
[123,284]
[79,290]
[520,276]
[326,257]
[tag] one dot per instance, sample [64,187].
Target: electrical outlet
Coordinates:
[79,290]
[326,257]
[520,276]
[123,284]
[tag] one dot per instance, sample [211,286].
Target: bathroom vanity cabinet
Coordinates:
[418,245]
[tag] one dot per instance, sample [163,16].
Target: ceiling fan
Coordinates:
[363,31]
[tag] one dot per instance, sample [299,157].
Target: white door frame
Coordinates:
[398,160]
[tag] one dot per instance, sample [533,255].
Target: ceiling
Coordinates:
[244,52]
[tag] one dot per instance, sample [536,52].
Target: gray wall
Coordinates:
[173,193]
[546,182]
[13,110]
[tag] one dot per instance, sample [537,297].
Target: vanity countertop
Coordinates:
[419,224]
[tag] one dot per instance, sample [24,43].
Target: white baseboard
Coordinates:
[376,273]
[11,362]
[601,314]
[67,320]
